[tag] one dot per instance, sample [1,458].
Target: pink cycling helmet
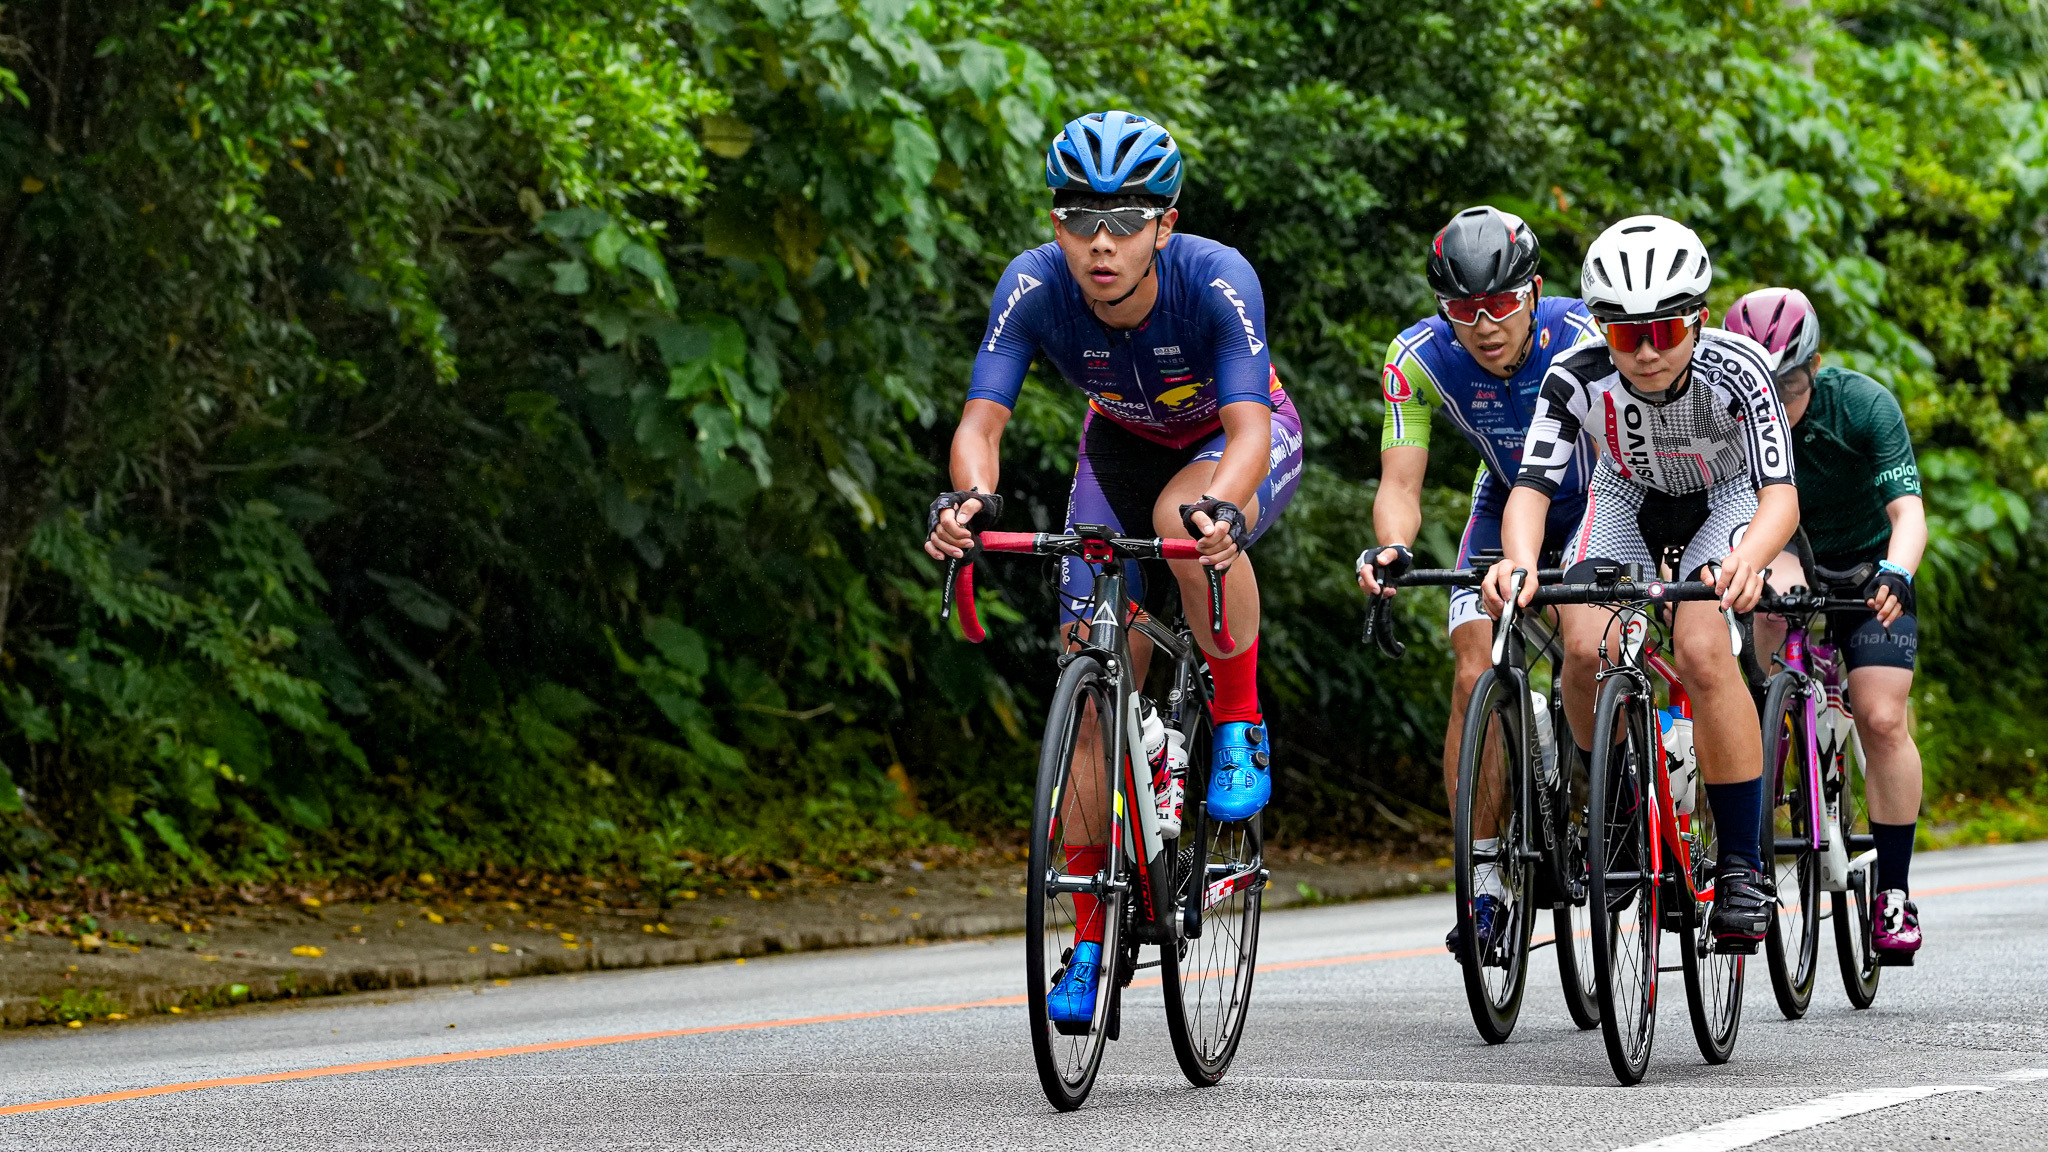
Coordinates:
[1780,319]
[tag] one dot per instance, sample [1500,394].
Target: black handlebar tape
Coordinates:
[1624,593]
[1461,577]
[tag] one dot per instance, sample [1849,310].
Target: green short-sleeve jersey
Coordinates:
[1853,456]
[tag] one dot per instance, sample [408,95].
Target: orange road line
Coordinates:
[753,1026]
[490,1054]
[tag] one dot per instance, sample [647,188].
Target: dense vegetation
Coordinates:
[464,432]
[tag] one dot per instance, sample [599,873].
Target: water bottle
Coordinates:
[1546,741]
[1678,758]
[1166,753]
[1170,783]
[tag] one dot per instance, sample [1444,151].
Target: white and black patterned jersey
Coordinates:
[1724,422]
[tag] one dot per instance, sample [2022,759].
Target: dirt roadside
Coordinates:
[142,959]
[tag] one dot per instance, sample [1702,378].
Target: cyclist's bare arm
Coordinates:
[1740,579]
[1247,457]
[976,467]
[1521,544]
[1397,506]
[1909,545]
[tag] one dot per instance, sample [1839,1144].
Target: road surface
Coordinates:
[1359,1038]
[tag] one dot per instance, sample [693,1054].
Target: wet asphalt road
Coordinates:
[1358,1050]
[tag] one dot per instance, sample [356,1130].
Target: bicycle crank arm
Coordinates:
[1095,885]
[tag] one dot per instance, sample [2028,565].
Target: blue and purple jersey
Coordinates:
[1203,346]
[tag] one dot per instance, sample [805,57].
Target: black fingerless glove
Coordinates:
[1222,511]
[1396,568]
[1901,586]
[982,521]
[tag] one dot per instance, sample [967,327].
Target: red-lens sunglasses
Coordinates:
[1625,336]
[1497,307]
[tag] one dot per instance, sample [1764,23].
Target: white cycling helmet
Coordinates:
[1645,267]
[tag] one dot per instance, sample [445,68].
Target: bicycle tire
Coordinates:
[1855,911]
[1572,919]
[1208,978]
[1068,1063]
[1713,980]
[1792,942]
[1625,951]
[1493,726]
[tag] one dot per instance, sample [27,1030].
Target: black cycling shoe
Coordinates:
[1742,907]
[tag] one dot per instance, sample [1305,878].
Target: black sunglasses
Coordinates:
[1086,222]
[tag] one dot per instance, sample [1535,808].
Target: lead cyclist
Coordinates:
[1188,435]
[1694,454]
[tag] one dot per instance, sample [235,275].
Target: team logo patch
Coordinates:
[1543,341]
[1395,385]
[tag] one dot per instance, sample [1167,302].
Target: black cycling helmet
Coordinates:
[1481,251]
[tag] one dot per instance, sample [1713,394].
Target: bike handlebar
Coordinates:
[959,587]
[1649,591]
[1805,602]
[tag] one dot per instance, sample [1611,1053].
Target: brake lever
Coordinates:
[1505,625]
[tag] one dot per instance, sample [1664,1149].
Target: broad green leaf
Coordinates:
[915,153]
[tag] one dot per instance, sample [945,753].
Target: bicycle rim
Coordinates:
[1792,944]
[1208,978]
[1492,773]
[1855,910]
[1067,1063]
[1713,980]
[1625,925]
[1572,920]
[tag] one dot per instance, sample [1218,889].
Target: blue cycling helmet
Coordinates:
[1114,153]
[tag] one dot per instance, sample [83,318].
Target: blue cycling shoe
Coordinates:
[1489,915]
[1240,772]
[1072,999]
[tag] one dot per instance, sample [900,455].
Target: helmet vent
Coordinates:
[1638,228]
[1677,266]
[1600,270]
[1627,280]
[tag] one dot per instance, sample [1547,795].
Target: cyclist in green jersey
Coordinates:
[1860,507]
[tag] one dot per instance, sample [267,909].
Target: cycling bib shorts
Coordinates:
[1121,474]
[1482,534]
[1629,524]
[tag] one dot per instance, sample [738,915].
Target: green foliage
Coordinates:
[453,433]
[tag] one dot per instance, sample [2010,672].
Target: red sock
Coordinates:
[1087,860]
[1237,685]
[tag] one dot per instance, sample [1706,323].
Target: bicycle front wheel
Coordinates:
[1792,943]
[1493,778]
[1624,895]
[1076,880]
[1208,971]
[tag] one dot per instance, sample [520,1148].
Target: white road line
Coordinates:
[2023,1075]
[1746,1130]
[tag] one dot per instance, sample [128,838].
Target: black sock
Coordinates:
[1894,854]
[1738,819]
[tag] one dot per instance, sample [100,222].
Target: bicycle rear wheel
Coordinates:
[1855,911]
[1572,919]
[1624,896]
[1076,886]
[1713,980]
[1493,776]
[1208,977]
[1792,944]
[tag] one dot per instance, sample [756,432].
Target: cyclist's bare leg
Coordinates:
[1584,627]
[1786,574]
[1727,737]
[1891,768]
[1472,647]
[1240,588]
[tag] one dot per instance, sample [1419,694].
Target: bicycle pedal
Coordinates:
[1071,1027]
[1730,946]
[1895,959]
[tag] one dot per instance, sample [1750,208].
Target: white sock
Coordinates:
[1486,876]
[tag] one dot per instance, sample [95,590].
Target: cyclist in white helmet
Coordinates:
[1694,455]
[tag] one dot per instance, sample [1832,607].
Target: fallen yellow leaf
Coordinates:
[741,960]
[500,948]
[177,1011]
[75,1024]
[754,892]
[117,1015]
[436,918]
[689,894]
[572,947]
[472,947]
[427,878]
[209,958]
[502,983]
[309,901]
[88,942]
[308,950]
[568,935]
